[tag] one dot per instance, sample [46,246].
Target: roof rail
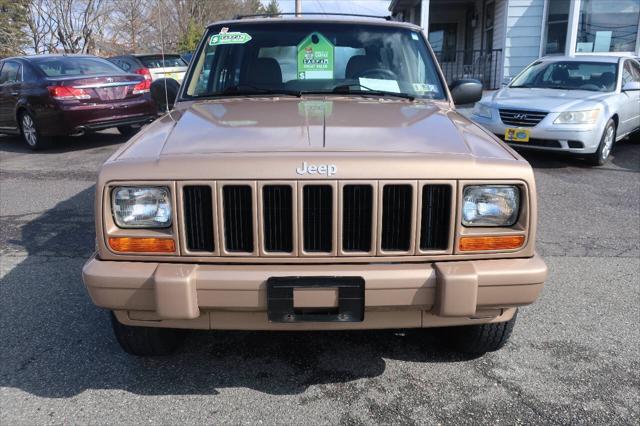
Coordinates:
[268,15]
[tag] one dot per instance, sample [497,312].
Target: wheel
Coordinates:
[164,92]
[481,338]
[128,130]
[146,341]
[601,155]
[30,132]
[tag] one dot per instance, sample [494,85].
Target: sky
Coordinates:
[365,7]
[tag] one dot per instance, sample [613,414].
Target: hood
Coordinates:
[272,125]
[551,100]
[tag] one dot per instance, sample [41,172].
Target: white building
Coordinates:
[494,39]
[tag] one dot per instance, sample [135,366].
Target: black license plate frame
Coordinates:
[280,304]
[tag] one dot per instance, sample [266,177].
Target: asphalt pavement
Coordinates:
[574,356]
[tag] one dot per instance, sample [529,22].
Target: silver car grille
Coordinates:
[514,117]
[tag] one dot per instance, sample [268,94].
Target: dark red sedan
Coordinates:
[50,95]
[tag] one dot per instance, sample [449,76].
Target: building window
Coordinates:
[608,26]
[443,39]
[489,15]
[557,23]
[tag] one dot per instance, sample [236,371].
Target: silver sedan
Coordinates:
[581,104]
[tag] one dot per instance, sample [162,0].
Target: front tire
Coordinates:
[600,157]
[30,133]
[481,338]
[146,341]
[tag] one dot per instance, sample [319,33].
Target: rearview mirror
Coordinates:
[466,91]
[631,86]
[164,99]
[506,81]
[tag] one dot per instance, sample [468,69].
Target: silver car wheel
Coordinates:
[29,130]
[608,142]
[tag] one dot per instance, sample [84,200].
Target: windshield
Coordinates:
[68,66]
[157,62]
[313,57]
[569,75]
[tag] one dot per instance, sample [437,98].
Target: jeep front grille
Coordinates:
[317,218]
[198,218]
[309,218]
[238,218]
[277,213]
[357,218]
[397,209]
[436,216]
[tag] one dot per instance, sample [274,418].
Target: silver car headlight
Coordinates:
[482,110]
[141,207]
[490,205]
[578,117]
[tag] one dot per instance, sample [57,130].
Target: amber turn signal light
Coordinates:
[502,242]
[142,245]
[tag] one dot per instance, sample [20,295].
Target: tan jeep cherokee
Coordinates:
[314,175]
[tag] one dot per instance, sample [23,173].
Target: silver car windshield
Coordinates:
[314,57]
[569,75]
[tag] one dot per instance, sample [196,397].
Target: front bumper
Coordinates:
[218,296]
[578,139]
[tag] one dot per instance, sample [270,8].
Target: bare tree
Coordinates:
[40,27]
[75,23]
[122,26]
[128,21]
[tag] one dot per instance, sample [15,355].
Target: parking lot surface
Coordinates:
[574,356]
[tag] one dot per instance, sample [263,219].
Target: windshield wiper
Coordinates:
[247,89]
[346,89]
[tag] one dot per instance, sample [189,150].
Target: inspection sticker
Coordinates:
[229,38]
[422,87]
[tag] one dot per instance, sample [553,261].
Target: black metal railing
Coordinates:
[483,65]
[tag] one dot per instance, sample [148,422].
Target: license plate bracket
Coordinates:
[280,299]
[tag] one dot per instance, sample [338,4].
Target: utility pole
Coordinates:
[298,7]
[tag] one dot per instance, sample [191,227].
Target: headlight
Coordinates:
[140,207]
[490,205]
[482,110]
[577,117]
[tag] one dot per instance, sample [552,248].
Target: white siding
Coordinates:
[523,34]
[498,27]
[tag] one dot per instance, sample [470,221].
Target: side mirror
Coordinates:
[506,81]
[164,100]
[466,91]
[631,86]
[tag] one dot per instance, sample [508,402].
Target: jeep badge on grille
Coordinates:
[321,169]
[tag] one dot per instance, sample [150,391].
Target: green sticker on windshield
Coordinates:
[229,38]
[315,58]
